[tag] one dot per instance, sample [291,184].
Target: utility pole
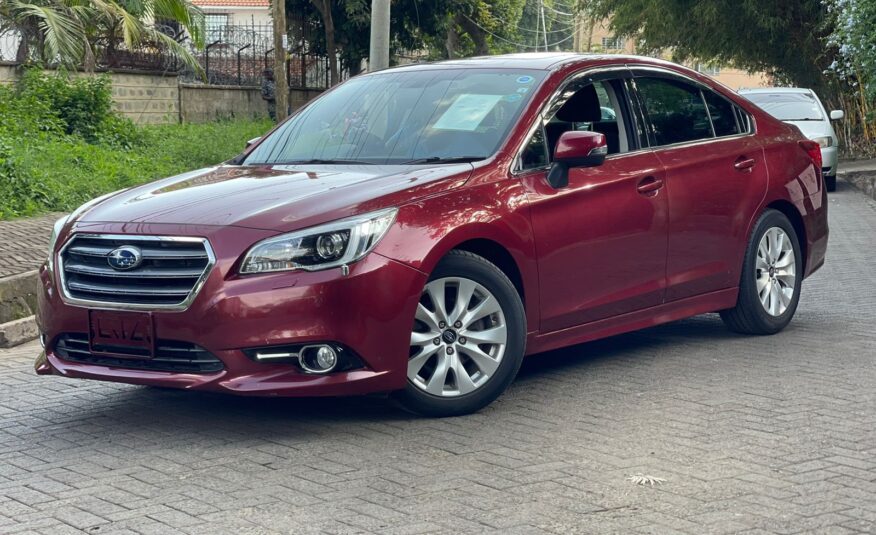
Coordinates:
[378,57]
[281,44]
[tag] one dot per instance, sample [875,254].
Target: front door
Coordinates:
[601,241]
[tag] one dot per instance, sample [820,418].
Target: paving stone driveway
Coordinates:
[24,243]
[773,434]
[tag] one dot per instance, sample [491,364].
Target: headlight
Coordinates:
[326,246]
[823,142]
[53,241]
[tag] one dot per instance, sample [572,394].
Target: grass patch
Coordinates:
[55,159]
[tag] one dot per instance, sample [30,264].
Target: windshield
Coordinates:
[404,116]
[788,106]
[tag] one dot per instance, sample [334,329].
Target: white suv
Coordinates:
[802,108]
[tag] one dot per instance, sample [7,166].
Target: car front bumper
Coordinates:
[829,158]
[370,310]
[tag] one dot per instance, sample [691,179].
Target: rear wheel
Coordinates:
[467,340]
[772,272]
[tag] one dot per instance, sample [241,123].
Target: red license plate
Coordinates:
[121,334]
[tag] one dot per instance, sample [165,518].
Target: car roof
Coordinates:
[532,60]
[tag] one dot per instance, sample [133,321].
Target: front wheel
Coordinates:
[772,272]
[467,341]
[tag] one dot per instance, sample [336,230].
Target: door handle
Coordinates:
[649,185]
[744,164]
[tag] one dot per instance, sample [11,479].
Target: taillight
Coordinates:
[813,149]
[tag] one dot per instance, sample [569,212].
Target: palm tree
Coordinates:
[75,32]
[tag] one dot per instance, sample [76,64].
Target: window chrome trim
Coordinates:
[110,305]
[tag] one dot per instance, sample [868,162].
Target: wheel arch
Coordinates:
[793,214]
[497,254]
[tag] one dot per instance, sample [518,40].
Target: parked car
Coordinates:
[418,231]
[803,109]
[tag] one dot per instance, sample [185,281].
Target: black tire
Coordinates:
[470,266]
[749,315]
[830,183]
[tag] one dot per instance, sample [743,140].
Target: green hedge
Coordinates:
[61,145]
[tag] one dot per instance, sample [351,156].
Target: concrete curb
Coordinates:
[17,308]
[864,180]
[17,332]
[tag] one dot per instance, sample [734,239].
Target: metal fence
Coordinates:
[232,55]
[239,55]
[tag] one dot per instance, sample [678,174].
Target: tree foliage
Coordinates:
[854,38]
[786,39]
[75,32]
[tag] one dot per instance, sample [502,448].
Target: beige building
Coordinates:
[218,14]
[596,36]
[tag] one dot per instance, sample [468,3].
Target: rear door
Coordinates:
[715,179]
[601,241]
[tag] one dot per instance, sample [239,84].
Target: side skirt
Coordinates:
[633,321]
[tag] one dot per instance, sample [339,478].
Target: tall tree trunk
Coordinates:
[325,10]
[478,36]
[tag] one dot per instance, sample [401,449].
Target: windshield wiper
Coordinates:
[439,159]
[317,161]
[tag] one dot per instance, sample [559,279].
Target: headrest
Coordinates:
[582,107]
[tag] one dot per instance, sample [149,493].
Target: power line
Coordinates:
[521,45]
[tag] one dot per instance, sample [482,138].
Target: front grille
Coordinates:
[170,274]
[170,356]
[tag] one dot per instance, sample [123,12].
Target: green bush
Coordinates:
[82,105]
[62,144]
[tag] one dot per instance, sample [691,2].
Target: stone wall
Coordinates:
[148,98]
[8,73]
[202,103]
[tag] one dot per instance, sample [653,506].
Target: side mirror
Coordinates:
[252,142]
[576,149]
[837,115]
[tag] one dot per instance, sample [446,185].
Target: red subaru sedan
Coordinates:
[418,231]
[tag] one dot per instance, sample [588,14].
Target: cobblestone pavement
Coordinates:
[756,435]
[23,243]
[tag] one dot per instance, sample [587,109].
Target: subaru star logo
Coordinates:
[125,258]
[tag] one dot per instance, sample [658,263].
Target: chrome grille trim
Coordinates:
[123,285]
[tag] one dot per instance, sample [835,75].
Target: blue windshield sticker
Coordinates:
[522,90]
[513,97]
[524,80]
[467,112]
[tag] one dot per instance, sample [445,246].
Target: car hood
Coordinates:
[813,129]
[278,198]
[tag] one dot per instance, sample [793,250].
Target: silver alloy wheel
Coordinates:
[775,271]
[459,337]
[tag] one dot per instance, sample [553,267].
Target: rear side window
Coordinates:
[724,117]
[675,109]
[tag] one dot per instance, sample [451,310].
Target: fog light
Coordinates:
[318,359]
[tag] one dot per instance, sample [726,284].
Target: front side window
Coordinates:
[590,106]
[675,109]
[535,154]
[405,116]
